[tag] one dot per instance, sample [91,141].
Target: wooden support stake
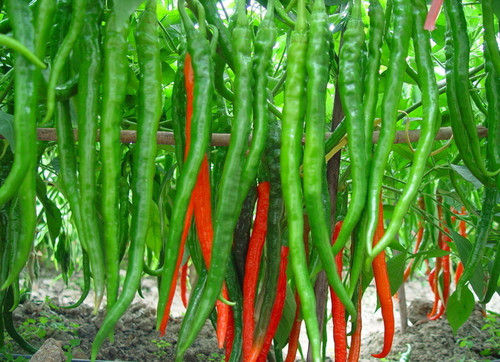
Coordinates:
[222,139]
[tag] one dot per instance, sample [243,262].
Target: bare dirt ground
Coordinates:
[137,340]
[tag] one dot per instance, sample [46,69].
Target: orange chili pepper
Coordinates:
[338,310]
[184,270]
[252,264]
[261,348]
[383,288]
[293,339]
[355,349]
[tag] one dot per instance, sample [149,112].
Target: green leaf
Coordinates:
[52,213]
[132,82]
[168,73]
[335,2]
[74,342]
[432,253]
[458,309]
[464,246]
[7,128]
[496,9]
[395,270]
[168,17]
[285,326]
[62,255]
[153,238]
[467,175]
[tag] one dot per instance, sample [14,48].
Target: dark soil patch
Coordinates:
[135,336]
[478,339]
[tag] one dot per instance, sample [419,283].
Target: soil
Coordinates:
[135,335]
[136,339]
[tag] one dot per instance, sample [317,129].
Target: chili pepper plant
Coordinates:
[309,142]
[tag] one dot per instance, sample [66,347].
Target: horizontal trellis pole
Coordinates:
[222,139]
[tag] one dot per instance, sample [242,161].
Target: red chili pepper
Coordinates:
[184,271]
[252,263]
[204,228]
[433,283]
[437,307]
[446,268]
[168,305]
[355,349]
[229,335]
[189,85]
[420,234]
[383,288]
[203,211]
[260,349]
[223,318]
[462,229]
[430,20]
[293,339]
[338,310]
[459,272]
[200,204]
[428,267]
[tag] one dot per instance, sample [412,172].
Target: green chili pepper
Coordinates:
[88,110]
[76,25]
[25,158]
[291,138]
[236,296]
[492,85]
[392,94]
[430,124]
[67,89]
[483,229]
[264,42]
[274,220]
[68,177]
[372,70]
[350,85]
[370,99]
[114,88]
[86,283]
[179,112]
[494,275]
[336,136]
[459,136]
[9,323]
[13,225]
[241,235]
[212,14]
[69,186]
[13,44]
[490,34]
[199,49]
[455,118]
[148,117]
[44,20]
[24,100]
[227,210]
[460,70]
[314,164]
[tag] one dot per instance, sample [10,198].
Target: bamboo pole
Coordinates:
[222,139]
